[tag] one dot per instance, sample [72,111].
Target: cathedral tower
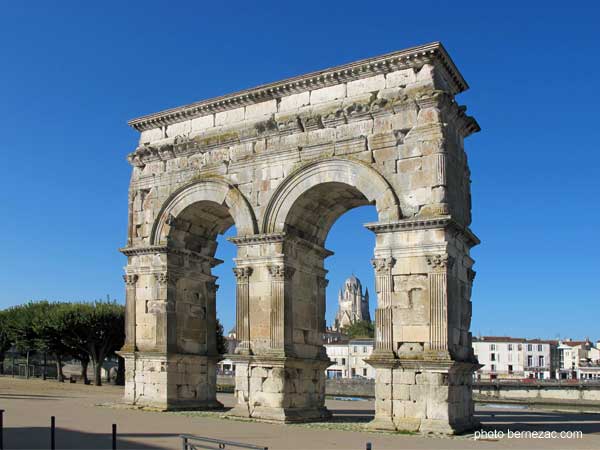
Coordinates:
[353,305]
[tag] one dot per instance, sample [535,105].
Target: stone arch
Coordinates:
[344,184]
[210,191]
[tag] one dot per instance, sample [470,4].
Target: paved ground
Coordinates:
[81,424]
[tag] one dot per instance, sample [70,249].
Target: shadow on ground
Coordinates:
[538,421]
[39,437]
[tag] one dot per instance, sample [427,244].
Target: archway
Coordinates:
[296,155]
[176,325]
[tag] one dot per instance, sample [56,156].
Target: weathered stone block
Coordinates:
[327,94]
[366,85]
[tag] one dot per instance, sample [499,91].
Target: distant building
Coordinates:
[505,357]
[578,359]
[353,305]
[348,357]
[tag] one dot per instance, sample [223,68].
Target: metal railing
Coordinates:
[191,442]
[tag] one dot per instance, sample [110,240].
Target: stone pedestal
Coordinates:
[171,382]
[281,389]
[427,395]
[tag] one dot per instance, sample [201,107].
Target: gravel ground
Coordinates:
[83,424]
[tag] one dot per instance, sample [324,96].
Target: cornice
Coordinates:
[148,250]
[413,57]
[266,238]
[424,224]
[154,249]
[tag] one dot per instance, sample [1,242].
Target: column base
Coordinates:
[170,382]
[423,395]
[280,389]
[284,415]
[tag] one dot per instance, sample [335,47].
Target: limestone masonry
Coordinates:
[282,162]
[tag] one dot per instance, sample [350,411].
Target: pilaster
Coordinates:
[242,275]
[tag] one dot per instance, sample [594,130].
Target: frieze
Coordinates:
[214,148]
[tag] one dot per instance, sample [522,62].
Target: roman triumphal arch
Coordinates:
[282,162]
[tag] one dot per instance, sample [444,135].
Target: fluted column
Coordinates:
[281,317]
[130,320]
[383,313]
[242,323]
[164,309]
[438,300]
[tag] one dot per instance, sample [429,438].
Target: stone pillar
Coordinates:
[322,284]
[242,323]
[163,307]
[423,360]
[211,318]
[281,317]
[282,377]
[383,312]
[130,305]
[438,303]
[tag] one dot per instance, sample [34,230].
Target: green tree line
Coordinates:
[88,332]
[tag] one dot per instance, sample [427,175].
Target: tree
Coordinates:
[19,326]
[222,347]
[359,329]
[97,329]
[5,341]
[50,331]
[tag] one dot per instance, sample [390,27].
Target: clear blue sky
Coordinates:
[72,75]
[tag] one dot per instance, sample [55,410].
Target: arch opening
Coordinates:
[314,213]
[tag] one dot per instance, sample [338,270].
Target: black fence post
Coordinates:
[52,433]
[114,436]
[1,429]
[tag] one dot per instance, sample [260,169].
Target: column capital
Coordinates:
[164,278]
[382,265]
[281,271]
[440,262]
[130,279]
[242,274]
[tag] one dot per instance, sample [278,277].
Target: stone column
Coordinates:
[281,317]
[211,318]
[322,284]
[438,301]
[163,307]
[130,304]
[242,322]
[383,313]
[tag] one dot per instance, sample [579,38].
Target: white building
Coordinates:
[578,360]
[358,351]
[505,357]
[338,354]
[501,357]
[349,359]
